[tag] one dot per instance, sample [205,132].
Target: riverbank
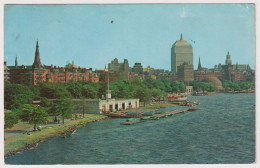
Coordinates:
[22,141]
[17,140]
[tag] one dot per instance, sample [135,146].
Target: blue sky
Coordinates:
[139,33]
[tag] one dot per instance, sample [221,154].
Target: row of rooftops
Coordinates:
[71,67]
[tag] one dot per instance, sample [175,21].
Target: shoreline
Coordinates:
[67,128]
[64,129]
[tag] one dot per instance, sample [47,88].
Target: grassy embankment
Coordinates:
[21,140]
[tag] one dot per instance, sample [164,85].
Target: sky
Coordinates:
[140,33]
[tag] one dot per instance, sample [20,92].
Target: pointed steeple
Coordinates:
[16,62]
[37,61]
[181,36]
[199,66]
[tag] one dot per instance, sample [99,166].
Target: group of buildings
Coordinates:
[182,69]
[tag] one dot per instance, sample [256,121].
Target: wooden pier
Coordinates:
[153,117]
[166,114]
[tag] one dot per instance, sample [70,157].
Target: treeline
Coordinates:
[238,86]
[17,94]
[202,86]
[19,98]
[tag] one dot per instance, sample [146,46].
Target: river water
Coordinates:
[222,130]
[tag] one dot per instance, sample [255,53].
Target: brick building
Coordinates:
[228,71]
[6,72]
[121,69]
[38,73]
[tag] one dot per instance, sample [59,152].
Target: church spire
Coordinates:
[199,66]
[181,36]
[37,61]
[16,62]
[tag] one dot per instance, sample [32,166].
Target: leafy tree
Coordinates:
[157,92]
[35,90]
[102,89]
[202,86]
[16,94]
[228,85]
[178,87]
[167,86]
[33,114]
[137,81]
[142,93]
[75,89]
[152,83]
[54,90]
[64,108]
[121,88]
[89,91]
[52,110]
[10,119]
[45,102]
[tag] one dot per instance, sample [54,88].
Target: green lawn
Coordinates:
[18,141]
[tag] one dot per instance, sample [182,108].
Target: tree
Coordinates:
[64,108]
[54,90]
[10,119]
[75,89]
[142,93]
[16,94]
[102,89]
[45,102]
[89,91]
[167,85]
[121,88]
[157,92]
[178,87]
[33,114]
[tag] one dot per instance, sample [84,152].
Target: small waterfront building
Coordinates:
[189,89]
[100,106]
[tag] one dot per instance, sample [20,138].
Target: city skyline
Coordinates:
[93,35]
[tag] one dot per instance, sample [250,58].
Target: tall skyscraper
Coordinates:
[181,52]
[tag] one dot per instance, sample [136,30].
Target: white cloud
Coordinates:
[183,13]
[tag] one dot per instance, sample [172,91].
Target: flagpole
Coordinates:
[108,79]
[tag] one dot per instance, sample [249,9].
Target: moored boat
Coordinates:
[175,98]
[192,109]
[145,118]
[131,121]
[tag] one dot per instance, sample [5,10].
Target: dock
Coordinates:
[166,114]
[155,116]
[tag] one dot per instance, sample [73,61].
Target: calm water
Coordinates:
[222,130]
